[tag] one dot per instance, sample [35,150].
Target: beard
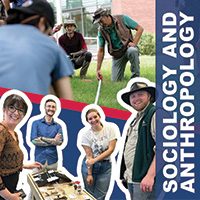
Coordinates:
[50,113]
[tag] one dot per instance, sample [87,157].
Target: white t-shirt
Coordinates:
[99,141]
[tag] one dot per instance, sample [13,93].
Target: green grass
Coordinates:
[85,91]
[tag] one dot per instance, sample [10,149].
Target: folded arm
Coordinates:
[105,154]
[45,141]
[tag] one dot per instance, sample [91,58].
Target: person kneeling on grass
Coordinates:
[75,46]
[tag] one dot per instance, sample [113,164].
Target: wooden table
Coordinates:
[56,190]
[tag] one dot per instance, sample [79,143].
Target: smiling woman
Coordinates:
[14,110]
[98,142]
[11,156]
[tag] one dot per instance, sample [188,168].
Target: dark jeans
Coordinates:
[83,62]
[10,182]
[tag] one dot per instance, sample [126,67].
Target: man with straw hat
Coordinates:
[138,161]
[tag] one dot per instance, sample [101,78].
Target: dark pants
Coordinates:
[83,62]
[10,182]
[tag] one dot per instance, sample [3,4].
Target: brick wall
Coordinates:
[142,11]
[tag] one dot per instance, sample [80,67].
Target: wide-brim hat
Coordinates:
[36,7]
[139,86]
[98,14]
[70,22]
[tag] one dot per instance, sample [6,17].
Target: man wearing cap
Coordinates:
[122,46]
[74,45]
[30,61]
[138,162]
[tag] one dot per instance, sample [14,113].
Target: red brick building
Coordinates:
[142,11]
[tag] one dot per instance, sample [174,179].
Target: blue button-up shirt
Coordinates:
[40,128]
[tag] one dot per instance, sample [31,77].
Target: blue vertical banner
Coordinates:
[178,99]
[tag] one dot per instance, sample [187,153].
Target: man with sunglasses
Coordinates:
[122,46]
[30,61]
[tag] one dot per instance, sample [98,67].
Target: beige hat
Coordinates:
[71,22]
[138,86]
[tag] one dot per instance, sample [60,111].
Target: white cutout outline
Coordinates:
[112,157]
[56,119]
[22,178]
[126,126]
[23,121]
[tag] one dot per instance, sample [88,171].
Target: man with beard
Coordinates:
[116,31]
[75,46]
[138,166]
[46,134]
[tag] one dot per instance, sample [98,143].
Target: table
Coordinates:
[53,185]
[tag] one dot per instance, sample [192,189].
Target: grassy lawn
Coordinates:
[85,90]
